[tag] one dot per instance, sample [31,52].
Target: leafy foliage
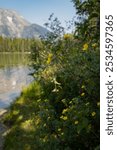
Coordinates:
[15,44]
[88,12]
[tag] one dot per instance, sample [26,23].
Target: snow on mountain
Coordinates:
[13,24]
[10,19]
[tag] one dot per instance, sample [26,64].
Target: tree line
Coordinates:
[15,44]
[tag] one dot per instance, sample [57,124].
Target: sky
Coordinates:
[38,11]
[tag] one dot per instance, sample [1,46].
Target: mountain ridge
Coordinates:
[13,25]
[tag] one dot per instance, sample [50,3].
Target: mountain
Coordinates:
[12,24]
[34,30]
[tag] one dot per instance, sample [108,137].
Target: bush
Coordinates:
[69,76]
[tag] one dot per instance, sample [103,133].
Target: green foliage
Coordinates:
[34,123]
[88,12]
[69,74]
[55,27]
[15,44]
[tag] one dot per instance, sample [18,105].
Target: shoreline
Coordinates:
[3,128]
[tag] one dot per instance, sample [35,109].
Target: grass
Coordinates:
[23,120]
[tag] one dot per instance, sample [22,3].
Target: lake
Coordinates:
[14,75]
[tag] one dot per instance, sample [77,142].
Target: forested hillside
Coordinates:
[15,44]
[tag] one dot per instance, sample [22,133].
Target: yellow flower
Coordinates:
[93,114]
[50,55]
[65,118]
[76,122]
[49,58]
[98,103]
[82,94]
[85,47]
[67,36]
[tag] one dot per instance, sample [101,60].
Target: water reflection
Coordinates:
[12,79]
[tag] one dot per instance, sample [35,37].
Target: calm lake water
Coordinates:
[14,74]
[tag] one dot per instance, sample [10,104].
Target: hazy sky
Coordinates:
[38,11]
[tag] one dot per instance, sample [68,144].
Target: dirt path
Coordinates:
[3,129]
